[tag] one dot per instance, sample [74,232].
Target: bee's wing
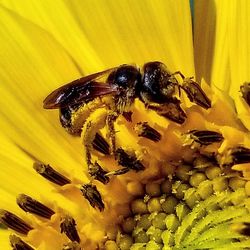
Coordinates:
[78,91]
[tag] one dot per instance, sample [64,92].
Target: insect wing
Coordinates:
[196,94]
[79,91]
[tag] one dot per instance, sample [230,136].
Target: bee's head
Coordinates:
[158,84]
[128,80]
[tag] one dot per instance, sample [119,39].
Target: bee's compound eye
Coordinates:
[126,76]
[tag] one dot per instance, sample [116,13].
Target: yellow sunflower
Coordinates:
[191,186]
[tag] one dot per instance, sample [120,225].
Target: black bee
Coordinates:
[116,90]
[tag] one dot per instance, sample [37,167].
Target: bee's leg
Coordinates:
[193,90]
[178,73]
[171,110]
[195,93]
[93,124]
[88,143]
[182,77]
[111,118]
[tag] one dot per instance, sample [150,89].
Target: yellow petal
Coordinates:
[18,176]
[239,56]
[38,62]
[56,18]
[239,44]
[4,239]
[28,71]
[211,42]
[101,34]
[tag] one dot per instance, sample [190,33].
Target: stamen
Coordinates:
[18,244]
[118,172]
[233,156]
[50,174]
[241,228]
[32,206]
[93,196]
[96,171]
[72,246]
[245,91]
[205,161]
[68,226]
[100,144]
[144,130]
[10,220]
[128,161]
[127,116]
[205,137]
[246,229]
[193,208]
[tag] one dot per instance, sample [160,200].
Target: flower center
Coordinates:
[199,207]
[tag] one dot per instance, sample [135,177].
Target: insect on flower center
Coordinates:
[173,186]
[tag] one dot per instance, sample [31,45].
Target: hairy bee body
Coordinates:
[92,102]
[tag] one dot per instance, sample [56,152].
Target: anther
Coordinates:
[18,244]
[241,228]
[127,116]
[93,196]
[32,206]
[72,246]
[246,229]
[68,226]
[101,145]
[128,161]
[144,130]
[118,172]
[233,156]
[205,161]
[50,174]
[245,91]
[205,137]
[96,171]
[10,220]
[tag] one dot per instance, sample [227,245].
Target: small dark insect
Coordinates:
[205,137]
[156,85]
[115,90]
[93,196]
[236,155]
[245,91]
